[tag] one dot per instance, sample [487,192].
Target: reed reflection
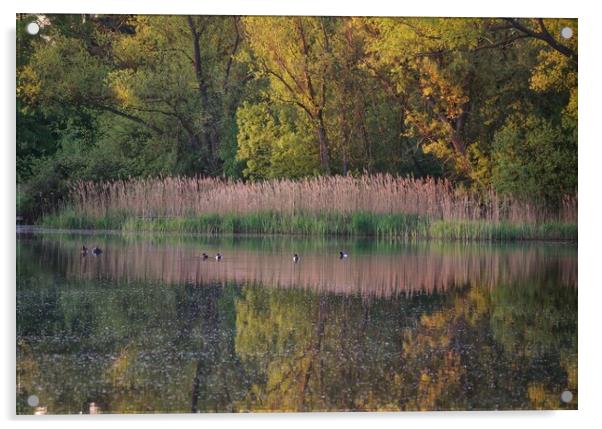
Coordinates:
[130,332]
[401,268]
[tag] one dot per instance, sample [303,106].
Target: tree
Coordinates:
[270,97]
[274,144]
[457,81]
[171,77]
[535,159]
[293,53]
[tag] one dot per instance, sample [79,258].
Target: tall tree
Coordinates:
[294,53]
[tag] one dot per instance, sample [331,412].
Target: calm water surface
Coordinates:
[148,326]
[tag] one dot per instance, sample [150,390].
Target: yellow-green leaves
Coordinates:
[274,147]
[62,70]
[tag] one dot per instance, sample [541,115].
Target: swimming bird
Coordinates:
[218,257]
[295,258]
[205,256]
[96,251]
[84,250]
[343,255]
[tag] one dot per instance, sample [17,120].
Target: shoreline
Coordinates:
[359,224]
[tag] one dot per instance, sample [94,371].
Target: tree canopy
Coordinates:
[485,102]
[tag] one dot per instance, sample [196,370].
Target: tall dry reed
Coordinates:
[382,194]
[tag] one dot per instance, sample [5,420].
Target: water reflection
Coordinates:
[149,327]
[379,269]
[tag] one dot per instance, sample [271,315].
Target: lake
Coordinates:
[149,326]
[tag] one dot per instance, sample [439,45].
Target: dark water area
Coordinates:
[149,326]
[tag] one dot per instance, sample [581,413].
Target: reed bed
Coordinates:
[366,205]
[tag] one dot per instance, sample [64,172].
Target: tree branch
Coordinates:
[298,103]
[231,57]
[544,36]
[130,117]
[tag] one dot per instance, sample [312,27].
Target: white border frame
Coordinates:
[590,156]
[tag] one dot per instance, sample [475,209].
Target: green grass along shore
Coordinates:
[357,224]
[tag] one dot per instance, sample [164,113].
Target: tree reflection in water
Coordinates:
[442,328]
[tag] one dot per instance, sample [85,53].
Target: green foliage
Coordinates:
[534,158]
[356,224]
[272,147]
[485,102]
[459,83]
[150,109]
[232,166]
[294,55]
[35,139]
[465,230]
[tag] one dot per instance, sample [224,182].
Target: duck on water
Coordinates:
[95,251]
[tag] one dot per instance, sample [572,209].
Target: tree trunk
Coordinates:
[209,137]
[346,142]
[323,145]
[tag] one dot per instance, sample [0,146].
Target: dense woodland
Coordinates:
[485,103]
